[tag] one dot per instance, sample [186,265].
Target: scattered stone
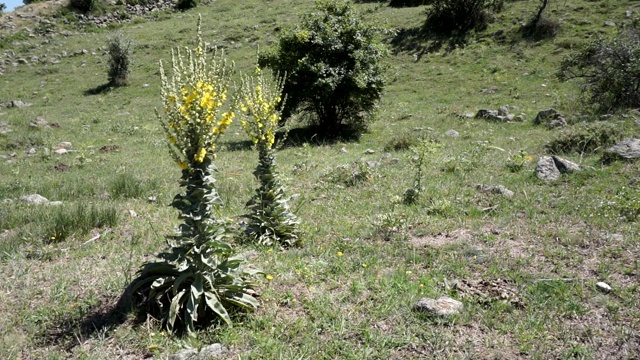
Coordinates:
[468,115]
[152,199]
[551,118]
[444,306]
[609,23]
[627,149]
[64,145]
[546,169]
[39,122]
[61,151]
[490,90]
[17,104]
[206,353]
[495,189]
[452,133]
[31,151]
[13,154]
[549,168]
[343,149]
[503,111]
[565,166]
[4,128]
[491,115]
[369,151]
[34,199]
[61,167]
[132,213]
[373,164]
[604,287]
[110,148]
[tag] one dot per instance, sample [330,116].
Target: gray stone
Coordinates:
[491,115]
[444,306]
[32,151]
[627,149]
[556,123]
[565,166]
[369,151]
[495,189]
[39,122]
[546,169]
[609,23]
[503,111]
[17,103]
[208,352]
[61,151]
[452,133]
[545,117]
[603,286]
[34,199]
[187,354]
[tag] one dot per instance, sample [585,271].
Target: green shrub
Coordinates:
[186,4]
[609,71]
[332,63]
[457,17]
[401,142]
[119,49]
[585,138]
[84,6]
[2,8]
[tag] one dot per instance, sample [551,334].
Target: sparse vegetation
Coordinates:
[585,138]
[608,71]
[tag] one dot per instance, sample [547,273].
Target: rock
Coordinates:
[369,151]
[373,164]
[34,199]
[503,111]
[604,287]
[627,149]
[556,123]
[187,354]
[61,151]
[546,169]
[490,90]
[565,166]
[546,117]
[495,189]
[343,149]
[64,145]
[444,306]
[206,353]
[609,23]
[452,133]
[491,115]
[17,104]
[31,151]
[152,199]
[39,122]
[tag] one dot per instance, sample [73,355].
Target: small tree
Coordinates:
[458,17]
[2,7]
[333,67]
[119,49]
[609,71]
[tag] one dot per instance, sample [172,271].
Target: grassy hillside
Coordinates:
[545,248]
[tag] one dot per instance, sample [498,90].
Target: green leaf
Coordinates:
[214,304]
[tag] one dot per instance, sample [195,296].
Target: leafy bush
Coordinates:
[332,63]
[119,49]
[186,4]
[609,71]
[457,17]
[585,138]
[2,7]
[82,5]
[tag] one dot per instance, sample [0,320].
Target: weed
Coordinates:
[119,49]
[65,221]
[585,138]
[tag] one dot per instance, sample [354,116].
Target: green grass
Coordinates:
[553,242]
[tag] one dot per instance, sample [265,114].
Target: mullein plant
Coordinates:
[199,277]
[269,219]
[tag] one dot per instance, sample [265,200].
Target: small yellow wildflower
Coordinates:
[408,272]
[199,156]
[269,277]
[340,253]
[153,347]
[183,165]
[364,265]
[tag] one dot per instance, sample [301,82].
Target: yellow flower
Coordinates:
[364,265]
[340,253]
[172,139]
[199,156]
[269,277]
[153,347]
[183,165]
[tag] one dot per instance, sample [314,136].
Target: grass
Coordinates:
[551,242]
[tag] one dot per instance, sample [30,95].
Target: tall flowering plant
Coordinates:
[269,221]
[199,277]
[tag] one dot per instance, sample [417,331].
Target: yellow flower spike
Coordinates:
[199,156]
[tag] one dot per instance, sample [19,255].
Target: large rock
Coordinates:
[627,149]
[551,118]
[490,115]
[34,199]
[549,168]
[546,169]
[444,306]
